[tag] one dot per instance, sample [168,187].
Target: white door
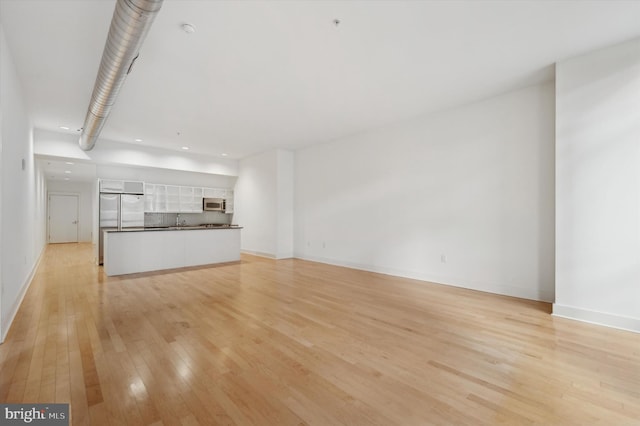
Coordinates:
[63,218]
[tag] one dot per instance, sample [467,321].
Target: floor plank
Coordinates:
[293,342]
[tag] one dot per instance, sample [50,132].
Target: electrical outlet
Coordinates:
[443,258]
[324,245]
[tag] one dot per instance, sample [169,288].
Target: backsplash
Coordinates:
[189,219]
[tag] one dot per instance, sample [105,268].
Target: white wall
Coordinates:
[3,44]
[285,188]
[165,176]
[23,192]
[598,187]
[264,204]
[463,197]
[39,212]
[85,192]
[255,203]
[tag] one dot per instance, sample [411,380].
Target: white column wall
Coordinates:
[23,192]
[598,187]
[463,197]
[3,44]
[264,203]
[256,204]
[285,178]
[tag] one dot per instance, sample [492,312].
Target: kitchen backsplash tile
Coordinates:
[169,219]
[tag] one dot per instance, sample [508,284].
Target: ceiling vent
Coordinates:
[129,27]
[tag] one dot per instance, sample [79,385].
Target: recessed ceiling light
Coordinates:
[69,163]
[64,127]
[188,28]
[185,148]
[67,171]
[138,140]
[224,154]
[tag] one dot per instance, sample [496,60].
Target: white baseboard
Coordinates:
[268,255]
[258,253]
[23,291]
[505,290]
[595,317]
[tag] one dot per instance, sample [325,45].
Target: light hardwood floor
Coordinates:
[293,342]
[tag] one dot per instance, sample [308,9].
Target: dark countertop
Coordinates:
[173,228]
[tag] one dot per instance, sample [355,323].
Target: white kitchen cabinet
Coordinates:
[215,193]
[186,193]
[143,251]
[197,200]
[160,199]
[149,197]
[229,201]
[133,187]
[190,199]
[116,186]
[173,199]
[155,198]
[186,199]
[122,186]
[181,199]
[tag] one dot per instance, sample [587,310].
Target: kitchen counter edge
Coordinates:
[173,228]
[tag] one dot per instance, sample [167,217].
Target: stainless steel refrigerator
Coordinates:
[118,212]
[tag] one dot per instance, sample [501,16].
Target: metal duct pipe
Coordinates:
[129,26]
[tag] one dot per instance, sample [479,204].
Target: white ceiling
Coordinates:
[67,169]
[258,75]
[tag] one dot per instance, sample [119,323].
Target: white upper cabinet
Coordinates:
[133,187]
[156,201]
[149,197]
[181,199]
[116,186]
[122,186]
[214,193]
[173,199]
[161,198]
[190,199]
[198,195]
[228,207]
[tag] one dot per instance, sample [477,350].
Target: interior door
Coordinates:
[63,218]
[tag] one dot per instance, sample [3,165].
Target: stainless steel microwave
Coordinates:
[214,204]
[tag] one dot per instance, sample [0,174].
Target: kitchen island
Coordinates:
[153,249]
